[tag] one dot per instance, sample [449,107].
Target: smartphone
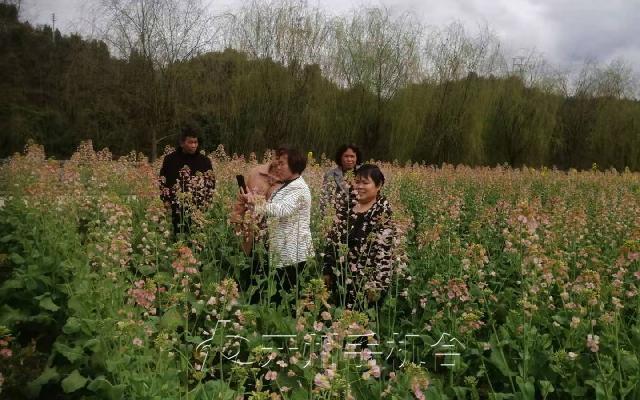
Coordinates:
[241,183]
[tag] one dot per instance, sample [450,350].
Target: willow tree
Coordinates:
[455,63]
[285,31]
[151,35]
[378,52]
[614,130]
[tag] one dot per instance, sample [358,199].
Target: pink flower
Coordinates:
[137,342]
[321,381]
[375,368]
[593,342]
[6,353]
[271,376]
[417,391]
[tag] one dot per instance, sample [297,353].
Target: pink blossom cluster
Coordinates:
[144,294]
[185,263]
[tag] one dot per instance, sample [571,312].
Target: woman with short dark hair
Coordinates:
[347,158]
[288,213]
[363,223]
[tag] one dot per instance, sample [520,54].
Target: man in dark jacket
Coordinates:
[186,170]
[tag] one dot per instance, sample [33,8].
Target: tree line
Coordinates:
[281,72]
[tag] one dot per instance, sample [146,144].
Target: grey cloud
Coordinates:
[566,32]
[601,30]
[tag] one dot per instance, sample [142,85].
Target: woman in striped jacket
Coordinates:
[288,213]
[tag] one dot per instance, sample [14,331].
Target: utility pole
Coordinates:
[518,65]
[53,27]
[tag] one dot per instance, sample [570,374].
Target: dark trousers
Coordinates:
[286,279]
[351,291]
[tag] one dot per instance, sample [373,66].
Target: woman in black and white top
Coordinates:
[363,227]
[288,213]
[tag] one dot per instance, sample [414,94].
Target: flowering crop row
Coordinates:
[519,283]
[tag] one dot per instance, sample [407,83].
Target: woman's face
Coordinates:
[348,160]
[282,170]
[366,189]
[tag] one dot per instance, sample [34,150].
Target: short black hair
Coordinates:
[371,171]
[190,129]
[295,158]
[345,147]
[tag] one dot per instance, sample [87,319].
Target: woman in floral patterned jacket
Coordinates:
[358,260]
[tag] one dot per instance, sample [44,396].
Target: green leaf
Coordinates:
[100,384]
[216,390]
[92,344]
[496,358]
[194,339]
[72,326]
[76,304]
[500,396]
[9,316]
[632,384]
[546,387]
[600,391]
[628,362]
[48,375]
[103,387]
[12,284]
[73,382]
[17,258]
[527,390]
[461,392]
[48,304]
[171,320]
[299,394]
[72,354]
[434,393]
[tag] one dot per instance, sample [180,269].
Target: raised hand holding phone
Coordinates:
[241,184]
[245,193]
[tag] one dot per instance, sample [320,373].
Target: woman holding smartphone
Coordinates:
[288,213]
[262,182]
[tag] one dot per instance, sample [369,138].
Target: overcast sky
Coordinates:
[566,32]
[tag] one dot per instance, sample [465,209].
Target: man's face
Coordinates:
[189,145]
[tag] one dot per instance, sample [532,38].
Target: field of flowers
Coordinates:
[519,284]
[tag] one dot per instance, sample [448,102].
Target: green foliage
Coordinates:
[534,272]
[59,93]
